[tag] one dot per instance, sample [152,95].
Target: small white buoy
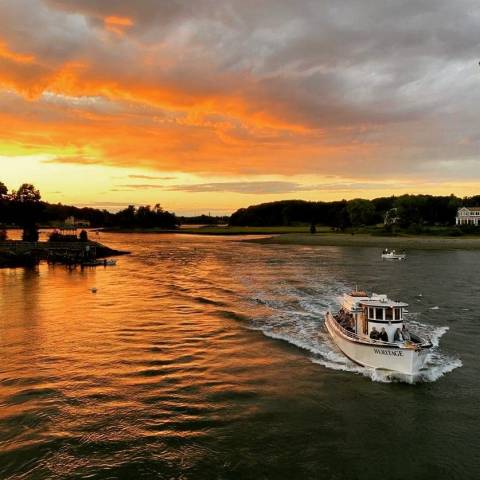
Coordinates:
[93,290]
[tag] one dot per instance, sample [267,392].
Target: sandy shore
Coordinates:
[359,240]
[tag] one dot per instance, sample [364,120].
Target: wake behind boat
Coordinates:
[371,331]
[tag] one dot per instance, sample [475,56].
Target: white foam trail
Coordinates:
[433,333]
[295,315]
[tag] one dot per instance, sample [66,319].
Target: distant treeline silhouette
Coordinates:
[204,220]
[407,211]
[25,208]
[145,217]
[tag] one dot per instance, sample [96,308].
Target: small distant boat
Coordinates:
[100,263]
[371,331]
[393,255]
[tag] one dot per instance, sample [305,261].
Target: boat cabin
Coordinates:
[372,311]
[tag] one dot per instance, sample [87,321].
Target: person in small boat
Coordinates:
[398,337]
[383,335]
[374,334]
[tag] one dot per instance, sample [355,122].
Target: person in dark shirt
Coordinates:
[374,334]
[398,336]
[383,335]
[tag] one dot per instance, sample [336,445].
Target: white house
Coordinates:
[468,216]
[391,217]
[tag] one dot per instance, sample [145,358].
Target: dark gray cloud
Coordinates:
[320,63]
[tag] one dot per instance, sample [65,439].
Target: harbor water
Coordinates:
[206,358]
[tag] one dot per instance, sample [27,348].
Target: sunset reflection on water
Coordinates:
[166,370]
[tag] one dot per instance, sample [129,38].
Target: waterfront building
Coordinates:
[76,223]
[468,216]
[391,217]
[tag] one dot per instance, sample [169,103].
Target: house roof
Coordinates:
[472,209]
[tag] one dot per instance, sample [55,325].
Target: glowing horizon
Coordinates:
[111,103]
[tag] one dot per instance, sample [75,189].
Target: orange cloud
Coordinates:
[150,118]
[83,78]
[116,24]
[5,52]
[130,139]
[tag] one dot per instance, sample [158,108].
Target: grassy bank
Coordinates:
[212,230]
[364,240]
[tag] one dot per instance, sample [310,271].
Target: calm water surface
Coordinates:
[205,358]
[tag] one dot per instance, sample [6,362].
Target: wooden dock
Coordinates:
[19,253]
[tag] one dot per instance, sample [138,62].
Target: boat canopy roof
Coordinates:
[354,300]
[383,303]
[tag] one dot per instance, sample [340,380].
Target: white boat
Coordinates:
[393,255]
[100,263]
[360,315]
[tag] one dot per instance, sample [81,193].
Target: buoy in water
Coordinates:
[93,290]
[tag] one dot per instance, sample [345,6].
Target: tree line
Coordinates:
[24,208]
[413,212]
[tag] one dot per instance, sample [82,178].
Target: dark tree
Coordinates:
[29,209]
[146,217]
[27,193]
[3,191]
[361,212]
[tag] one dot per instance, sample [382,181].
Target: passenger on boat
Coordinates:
[374,334]
[398,337]
[344,319]
[405,333]
[384,335]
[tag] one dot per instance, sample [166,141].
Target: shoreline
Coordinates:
[219,231]
[362,240]
[299,236]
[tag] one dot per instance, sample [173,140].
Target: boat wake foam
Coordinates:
[296,317]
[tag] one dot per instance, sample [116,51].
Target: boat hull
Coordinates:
[387,256]
[404,360]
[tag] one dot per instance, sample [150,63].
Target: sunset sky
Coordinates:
[208,105]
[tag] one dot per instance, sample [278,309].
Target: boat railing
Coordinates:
[346,332]
[355,336]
